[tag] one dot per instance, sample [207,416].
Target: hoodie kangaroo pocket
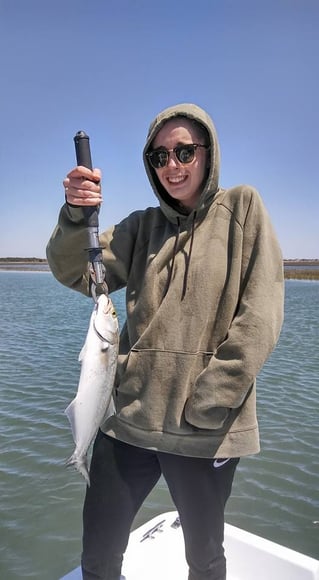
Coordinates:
[155,386]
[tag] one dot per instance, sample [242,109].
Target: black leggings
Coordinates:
[123,475]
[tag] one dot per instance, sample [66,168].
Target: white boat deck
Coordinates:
[156,552]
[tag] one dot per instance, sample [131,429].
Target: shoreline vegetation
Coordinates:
[294,269]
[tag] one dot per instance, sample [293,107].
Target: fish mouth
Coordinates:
[109,308]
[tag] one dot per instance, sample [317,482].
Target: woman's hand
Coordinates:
[83,186]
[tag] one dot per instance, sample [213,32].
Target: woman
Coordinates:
[204,297]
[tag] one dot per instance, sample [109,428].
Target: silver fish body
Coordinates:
[94,401]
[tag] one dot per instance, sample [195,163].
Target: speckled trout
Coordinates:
[94,402]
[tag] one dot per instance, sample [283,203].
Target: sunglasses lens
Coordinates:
[158,158]
[185,153]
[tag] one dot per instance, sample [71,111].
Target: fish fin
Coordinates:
[69,411]
[80,465]
[109,411]
[105,346]
[82,352]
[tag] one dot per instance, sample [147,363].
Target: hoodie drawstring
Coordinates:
[188,258]
[187,261]
[170,273]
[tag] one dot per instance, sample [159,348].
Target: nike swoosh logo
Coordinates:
[220,462]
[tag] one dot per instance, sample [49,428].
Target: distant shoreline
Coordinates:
[303,269]
[24,264]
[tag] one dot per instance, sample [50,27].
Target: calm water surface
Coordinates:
[43,325]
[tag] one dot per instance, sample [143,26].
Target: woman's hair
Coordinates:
[201,131]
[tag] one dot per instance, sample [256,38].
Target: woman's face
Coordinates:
[183,182]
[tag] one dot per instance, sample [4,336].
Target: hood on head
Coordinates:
[168,205]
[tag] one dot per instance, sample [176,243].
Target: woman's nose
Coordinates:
[172,160]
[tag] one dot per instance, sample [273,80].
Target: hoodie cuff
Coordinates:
[75,213]
[206,418]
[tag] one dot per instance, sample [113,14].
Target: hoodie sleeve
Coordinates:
[68,256]
[254,330]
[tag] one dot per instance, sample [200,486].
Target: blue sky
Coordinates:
[109,66]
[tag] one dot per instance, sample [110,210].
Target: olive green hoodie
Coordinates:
[204,297]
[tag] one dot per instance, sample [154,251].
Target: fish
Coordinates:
[94,402]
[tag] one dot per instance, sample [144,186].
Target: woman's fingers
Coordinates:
[83,186]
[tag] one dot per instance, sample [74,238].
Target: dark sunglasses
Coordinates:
[158,158]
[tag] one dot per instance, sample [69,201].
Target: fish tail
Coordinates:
[80,465]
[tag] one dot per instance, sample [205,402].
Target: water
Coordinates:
[43,324]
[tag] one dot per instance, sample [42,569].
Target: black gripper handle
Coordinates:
[83,157]
[82,149]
